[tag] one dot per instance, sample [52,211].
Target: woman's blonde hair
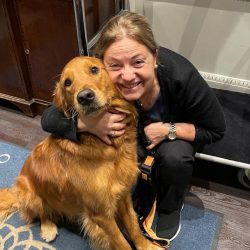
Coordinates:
[126,24]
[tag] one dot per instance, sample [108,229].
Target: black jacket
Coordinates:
[186,96]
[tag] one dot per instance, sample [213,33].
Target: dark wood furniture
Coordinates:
[37,38]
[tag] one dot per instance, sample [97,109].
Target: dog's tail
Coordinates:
[8,202]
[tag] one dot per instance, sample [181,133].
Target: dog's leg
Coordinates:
[32,206]
[129,219]
[48,230]
[104,234]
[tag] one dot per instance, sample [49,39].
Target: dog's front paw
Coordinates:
[48,231]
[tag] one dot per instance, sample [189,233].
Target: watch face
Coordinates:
[171,136]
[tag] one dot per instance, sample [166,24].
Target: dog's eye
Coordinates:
[94,70]
[67,82]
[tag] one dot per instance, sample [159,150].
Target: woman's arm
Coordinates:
[54,121]
[200,118]
[203,110]
[103,125]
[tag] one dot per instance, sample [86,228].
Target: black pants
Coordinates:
[172,173]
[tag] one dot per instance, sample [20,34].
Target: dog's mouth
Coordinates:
[95,109]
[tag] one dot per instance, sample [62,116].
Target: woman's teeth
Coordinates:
[131,85]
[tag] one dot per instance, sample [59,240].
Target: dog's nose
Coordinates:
[86,96]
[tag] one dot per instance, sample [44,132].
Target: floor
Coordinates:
[213,187]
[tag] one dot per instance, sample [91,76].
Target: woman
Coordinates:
[177,110]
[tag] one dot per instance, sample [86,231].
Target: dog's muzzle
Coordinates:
[89,102]
[85,97]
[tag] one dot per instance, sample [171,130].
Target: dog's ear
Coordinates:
[60,99]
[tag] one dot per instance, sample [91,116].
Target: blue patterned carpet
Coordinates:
[200,227]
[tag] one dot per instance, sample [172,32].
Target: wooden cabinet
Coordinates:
[37,38]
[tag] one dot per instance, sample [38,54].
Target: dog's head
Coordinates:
[84,88]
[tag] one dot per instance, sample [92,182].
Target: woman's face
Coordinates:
[130,66]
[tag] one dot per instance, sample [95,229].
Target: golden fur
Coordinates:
[88,182]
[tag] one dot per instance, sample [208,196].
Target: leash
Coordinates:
[146,223]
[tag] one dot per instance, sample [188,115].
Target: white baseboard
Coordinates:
[226,82]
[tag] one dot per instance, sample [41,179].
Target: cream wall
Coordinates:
[213,34]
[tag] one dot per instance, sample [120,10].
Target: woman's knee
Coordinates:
[175,158]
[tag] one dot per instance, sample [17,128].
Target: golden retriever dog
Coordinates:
[88,182]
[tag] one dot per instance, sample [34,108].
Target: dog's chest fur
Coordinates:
[96,177]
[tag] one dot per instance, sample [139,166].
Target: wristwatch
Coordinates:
[172,132]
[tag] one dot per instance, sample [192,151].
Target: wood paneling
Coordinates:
[37,39]
[49,39]
[11,78]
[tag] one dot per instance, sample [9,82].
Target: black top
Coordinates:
[184,93]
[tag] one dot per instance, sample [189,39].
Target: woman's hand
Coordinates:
[108,124]
[155,133]
[158,131]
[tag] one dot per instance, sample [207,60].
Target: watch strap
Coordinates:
[172,131]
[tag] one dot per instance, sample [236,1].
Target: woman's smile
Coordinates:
[129,85]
